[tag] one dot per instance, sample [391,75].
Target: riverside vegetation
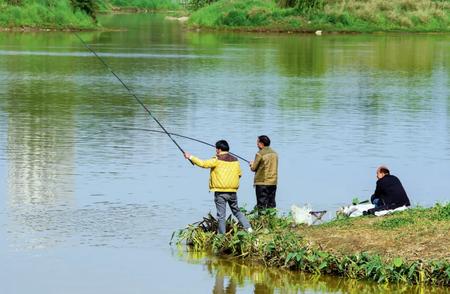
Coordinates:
[329,15]
[409,246]
[68,14]
[248,15]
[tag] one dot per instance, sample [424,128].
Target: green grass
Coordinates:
[332,15]
[147,4]
[395,223]
[35,14]
[236,14]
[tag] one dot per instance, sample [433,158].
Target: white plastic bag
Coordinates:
[355,210]
[301,215]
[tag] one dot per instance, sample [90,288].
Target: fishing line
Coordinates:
[181,136]
[128,89]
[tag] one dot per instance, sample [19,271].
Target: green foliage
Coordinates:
[147,4]
[363,16]
[235,13]
[14,2]
[61,15]
[89,7]
[302,6]
[197,4]
[68,14]
[276,243]
[442,212]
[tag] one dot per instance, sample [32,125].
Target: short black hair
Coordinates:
[264,139]
[384,170]
[222,145]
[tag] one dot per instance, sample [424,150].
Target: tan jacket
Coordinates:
[225,172]
[265,167]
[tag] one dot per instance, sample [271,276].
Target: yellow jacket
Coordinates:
[225,172]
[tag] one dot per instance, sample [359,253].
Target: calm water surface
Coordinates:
[87,206]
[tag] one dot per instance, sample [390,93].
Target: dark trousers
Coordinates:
[265,196]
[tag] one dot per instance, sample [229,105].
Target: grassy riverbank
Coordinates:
[326,15]
[147,5]
[410,246]
[35,14]
[68,14]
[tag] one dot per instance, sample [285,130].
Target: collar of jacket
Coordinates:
[226,156]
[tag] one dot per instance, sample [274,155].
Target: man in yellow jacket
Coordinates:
[224,182]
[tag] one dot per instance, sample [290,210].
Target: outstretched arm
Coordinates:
[209,163]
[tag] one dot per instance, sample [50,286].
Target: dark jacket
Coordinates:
[390,190]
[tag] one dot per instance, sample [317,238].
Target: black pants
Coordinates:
[265,196]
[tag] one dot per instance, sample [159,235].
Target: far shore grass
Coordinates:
[329,16]
[242,15]
[410,246]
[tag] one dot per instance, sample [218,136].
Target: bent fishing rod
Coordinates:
[181,136]
[128,89]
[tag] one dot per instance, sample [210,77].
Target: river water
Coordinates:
[88,205]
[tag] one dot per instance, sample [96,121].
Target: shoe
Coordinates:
[250,230]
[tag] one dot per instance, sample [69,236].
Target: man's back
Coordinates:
[391,191]
[266,167]
[225,171]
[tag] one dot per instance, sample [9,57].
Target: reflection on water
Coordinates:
[231,276]
[40,156]
[101,224]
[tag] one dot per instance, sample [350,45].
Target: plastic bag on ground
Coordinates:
[301,215]
[355,210]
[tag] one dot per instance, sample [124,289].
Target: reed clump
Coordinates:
[414,245]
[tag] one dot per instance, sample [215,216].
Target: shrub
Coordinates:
[197,4]
[302,6]
[89,7]
[408,5]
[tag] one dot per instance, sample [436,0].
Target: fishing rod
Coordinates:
[128,89]
[181,136]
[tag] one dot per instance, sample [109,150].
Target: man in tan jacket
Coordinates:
[225,173]
[265,167]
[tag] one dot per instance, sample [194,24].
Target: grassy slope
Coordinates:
[414,234]
[35,14]
[336,15]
